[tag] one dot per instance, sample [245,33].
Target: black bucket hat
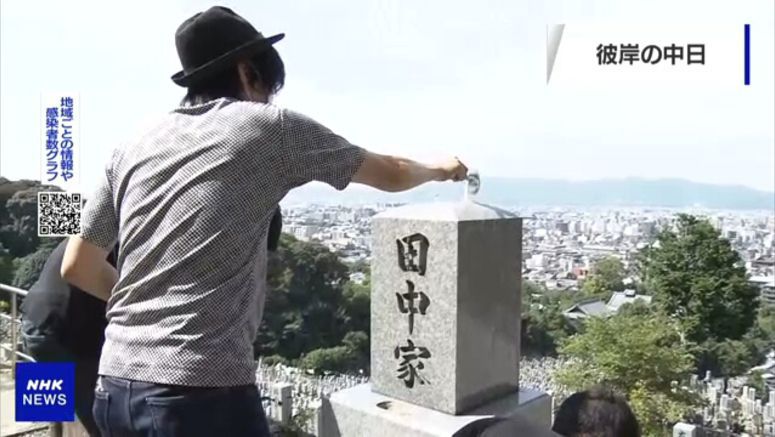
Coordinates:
[213,40]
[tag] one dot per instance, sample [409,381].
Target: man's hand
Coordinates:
[452,170]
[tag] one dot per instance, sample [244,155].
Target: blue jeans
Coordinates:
[124,408]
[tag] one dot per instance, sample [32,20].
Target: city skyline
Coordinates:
[557,242]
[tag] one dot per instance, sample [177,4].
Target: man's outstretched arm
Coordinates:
[393,174]
[312,152]
[85,266]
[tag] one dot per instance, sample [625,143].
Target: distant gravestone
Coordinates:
[724,403]
[685,430]
[446,296]
[282,407]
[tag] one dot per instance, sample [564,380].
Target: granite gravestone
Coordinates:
[446,295]
[445,318]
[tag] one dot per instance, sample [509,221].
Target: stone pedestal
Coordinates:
[359,411]
[445,304]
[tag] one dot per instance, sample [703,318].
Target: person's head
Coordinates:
[255,79]
[597,412]
[223,55]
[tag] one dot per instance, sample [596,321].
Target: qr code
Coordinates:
[59,214]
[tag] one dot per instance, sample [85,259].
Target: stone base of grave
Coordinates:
[359,412]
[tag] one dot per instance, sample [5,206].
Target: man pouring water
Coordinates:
[189,201]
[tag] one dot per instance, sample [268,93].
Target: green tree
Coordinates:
[334,359]
[640,355]
[543,323]
[359,345]
[361,266]
[314,316]
[271,360]
[606,277]
[736,357]
[762,334]
[351,356]
[696,276]
[28,268]
[729,357]
[19,230]
[304,307]
[637,308]
[357,301]
[7,190]
[756,381]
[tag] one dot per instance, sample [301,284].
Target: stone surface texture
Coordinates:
[471,322]
[359,412]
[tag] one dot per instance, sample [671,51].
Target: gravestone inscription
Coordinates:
[446,287]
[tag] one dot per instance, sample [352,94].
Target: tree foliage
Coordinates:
[28,268]
[639,355]
[313,315]
[696,276]
[606,277]
[18,222]
[334,358]
[351,356]
[361,266]
[543,324]
[357,301]
[762,335]
[18,231]
[755,379]
[637,308]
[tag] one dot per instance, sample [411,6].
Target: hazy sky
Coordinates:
[426,79]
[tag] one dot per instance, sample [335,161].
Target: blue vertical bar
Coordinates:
[747,54]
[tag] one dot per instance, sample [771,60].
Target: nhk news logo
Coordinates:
[45,392]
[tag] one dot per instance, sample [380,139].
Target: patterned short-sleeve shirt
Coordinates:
[190,202]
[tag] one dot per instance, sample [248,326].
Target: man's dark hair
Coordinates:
[267,69]
[597,412]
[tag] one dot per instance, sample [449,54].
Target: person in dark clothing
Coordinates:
[597,412]
[61,322]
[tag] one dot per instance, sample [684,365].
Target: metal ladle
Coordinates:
[474,183]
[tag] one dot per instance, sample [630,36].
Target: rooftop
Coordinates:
[597,308]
